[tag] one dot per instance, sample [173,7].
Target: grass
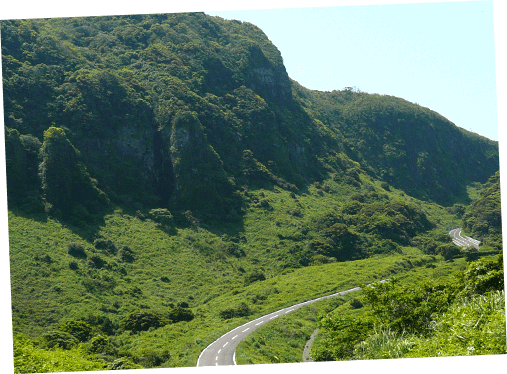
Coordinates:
[276,342]
[194,266]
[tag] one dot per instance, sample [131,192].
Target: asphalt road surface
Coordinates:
[222,350]
[463,241]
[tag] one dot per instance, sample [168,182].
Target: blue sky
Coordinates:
[439,55]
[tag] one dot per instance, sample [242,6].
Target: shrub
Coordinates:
[161,216]
[142,321]
[105,246]
[123,363]
[179,314]
[78,329]
[73,265]
[102,344]
[126,254]
[149,357]
[448,251]
[234,249]
[355,303]
[484,275]
[471,254]
[59,338]
[385,186]
[103,323]
[242,310]
[76,250]
[97,261]
[254,276]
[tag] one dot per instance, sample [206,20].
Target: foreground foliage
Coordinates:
[462,317]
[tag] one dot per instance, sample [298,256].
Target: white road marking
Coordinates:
[220,350]
[246,329]
[260,322]
[234,337]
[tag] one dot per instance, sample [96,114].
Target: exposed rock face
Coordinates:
[200,179]
[272,83]
[297,154]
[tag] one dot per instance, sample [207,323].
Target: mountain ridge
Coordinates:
[116,107]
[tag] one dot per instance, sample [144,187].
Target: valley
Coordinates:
[168,183]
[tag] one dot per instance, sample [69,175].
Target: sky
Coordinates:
[439,55]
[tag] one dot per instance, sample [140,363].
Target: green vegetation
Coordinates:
[459,317]
[167,181]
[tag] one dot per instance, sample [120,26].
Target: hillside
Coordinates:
[189,109]
[167,181]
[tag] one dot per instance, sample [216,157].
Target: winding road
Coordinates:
[222,351]
[461,241]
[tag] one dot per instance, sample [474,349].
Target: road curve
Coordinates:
[463,241]
[222,351]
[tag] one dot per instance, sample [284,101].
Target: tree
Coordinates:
[65,181]
[448,251]
[161,216]
[16,165]
[142,321]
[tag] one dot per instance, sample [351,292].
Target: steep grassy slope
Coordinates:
[404,144]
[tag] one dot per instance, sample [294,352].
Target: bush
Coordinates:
[102,344]
[356,304]
[242,310]
[98,262]
[142,321]
[123,363]
[471,254]
[106,246]
[234,249]
[150,358]
[474,326]
[385,186]
[483,275]
[179,314]
[126,254]
[59,338]
[448,251]
[345,333]
[254,276]
[76,250]
[78,329]
[29,358]
[161,216]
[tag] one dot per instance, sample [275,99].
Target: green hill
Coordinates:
[167,180]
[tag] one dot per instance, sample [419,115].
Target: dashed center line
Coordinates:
[220,350]
[246,329]
[225,344]
[257,324]
[216,358]
[234,337]
[274,316]
[289,311]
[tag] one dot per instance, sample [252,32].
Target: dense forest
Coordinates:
[165,174]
